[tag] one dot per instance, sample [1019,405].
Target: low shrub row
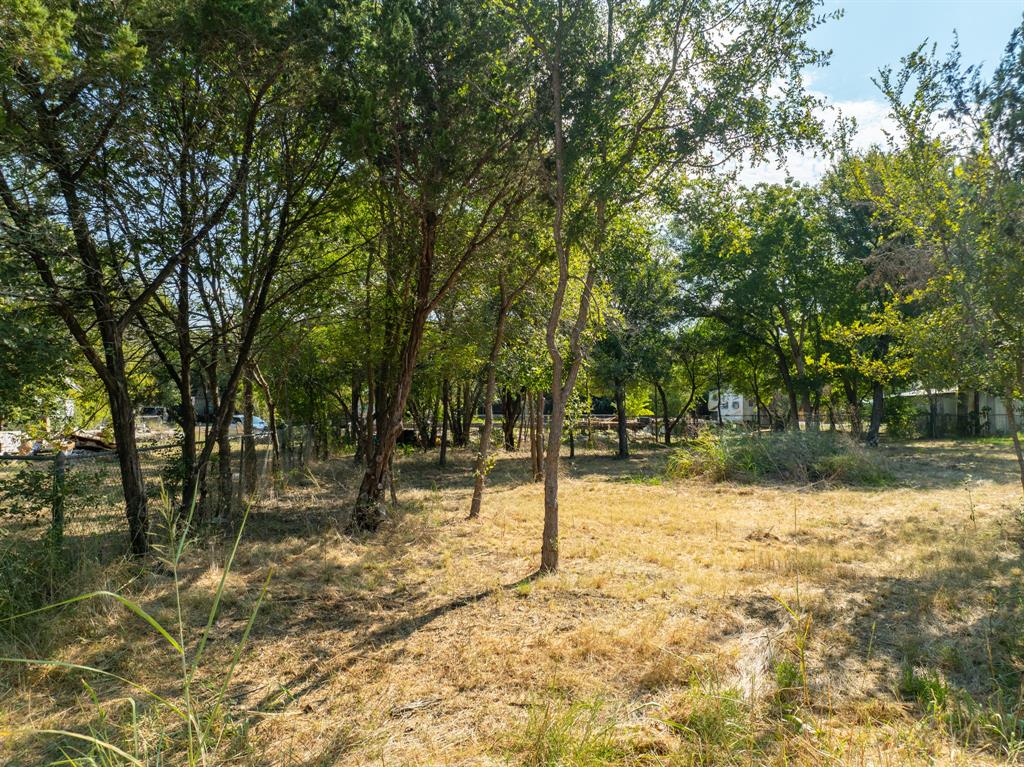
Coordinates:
[786,456]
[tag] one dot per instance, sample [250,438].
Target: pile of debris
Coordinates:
[19,443]
[15,443]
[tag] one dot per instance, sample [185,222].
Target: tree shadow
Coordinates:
[312,677]
[937,464]
[961,614]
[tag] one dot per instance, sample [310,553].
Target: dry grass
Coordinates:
[665,635]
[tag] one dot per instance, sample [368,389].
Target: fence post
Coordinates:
[57,503]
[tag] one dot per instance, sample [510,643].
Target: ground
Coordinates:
[690,623]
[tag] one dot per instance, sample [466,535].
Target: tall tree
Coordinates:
[443,135]
[634,92]
[75,91]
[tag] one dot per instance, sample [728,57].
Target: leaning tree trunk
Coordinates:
[1011,417]
[132,481]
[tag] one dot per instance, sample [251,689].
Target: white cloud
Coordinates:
[872,121]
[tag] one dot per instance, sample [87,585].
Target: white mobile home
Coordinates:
[735,407]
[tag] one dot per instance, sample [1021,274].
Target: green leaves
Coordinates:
[37,38]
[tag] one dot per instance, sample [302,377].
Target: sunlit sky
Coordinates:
[874,33]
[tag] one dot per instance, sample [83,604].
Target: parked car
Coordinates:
[258,424]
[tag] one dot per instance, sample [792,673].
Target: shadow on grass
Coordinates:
[312,678]
[961,613]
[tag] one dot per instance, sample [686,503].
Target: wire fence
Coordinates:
[946,425]
[81,491]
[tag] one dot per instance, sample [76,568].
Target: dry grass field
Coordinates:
[692,623]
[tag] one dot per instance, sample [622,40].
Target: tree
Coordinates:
[34,354]
[633,93]
[768,268]
[75,91]
[951,184]
[678,372]
[642,307]
[443,138]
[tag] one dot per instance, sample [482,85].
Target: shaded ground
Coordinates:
[431,643]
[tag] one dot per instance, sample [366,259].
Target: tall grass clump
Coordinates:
[992,723]
[785,456]
[565,735]
[189,725]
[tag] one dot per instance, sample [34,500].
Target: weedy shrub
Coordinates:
[193,725]
[993,724]
[788,456]
[901,418]
[34,568]
[560,735]
[716,726]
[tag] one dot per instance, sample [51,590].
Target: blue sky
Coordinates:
[874,33]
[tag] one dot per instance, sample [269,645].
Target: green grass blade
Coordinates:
[133,606]
[215,606]
[78,736]
[238,652]
[92,670]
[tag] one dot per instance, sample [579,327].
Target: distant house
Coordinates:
[735,407]
[961,412]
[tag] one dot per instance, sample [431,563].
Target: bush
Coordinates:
[574,735]
[901,416]
[787,456]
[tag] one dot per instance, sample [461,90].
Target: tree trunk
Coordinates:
[793,421]
[275,446]
[549,542]
[248,483]
[481,468]
[353,414]
[620,413]
[512,408]
[368,512]
[810,420]
[664,413]
[451,413]
[536,401]
[718,383]
[472,392]
[187,414]
[132,482]
[435,416]
[445,419]
[225,487]
[853,403]
[1011,417]
[877,409]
